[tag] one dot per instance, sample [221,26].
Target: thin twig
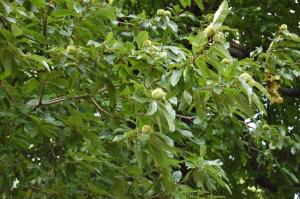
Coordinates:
[55,99]
[42,93]
[186,117]
[63,98]
[255,149]
[45,23]
[99,108]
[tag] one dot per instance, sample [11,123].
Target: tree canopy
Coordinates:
[148,99]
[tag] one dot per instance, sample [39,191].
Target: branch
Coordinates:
[42,93]
[63,98]
[45,23]
[99,108]
[186,117]
[55,100]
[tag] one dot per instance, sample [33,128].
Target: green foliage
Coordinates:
[99,99]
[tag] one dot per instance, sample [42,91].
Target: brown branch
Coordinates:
[255,149]
[45,23]
[99,108]
[63,98]
[42,93]
[59,99]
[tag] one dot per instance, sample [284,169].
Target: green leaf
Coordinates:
[96,190]
[84,157]
[173,26]
[220,51]
[75,120]
[39,59]
[221,14]
[7,35]
[118,52]
[247,87]
[46,65]
[204,71]
[176,77]
[185,3]
[258,103]
[17,31]
[214,63]
[33,102]
[186,133]
[200,4]
[187,97]
[200,101]
[118,138]
[263,90]
[30,86]
[141,37]
[139,155]
[38,3]
[291,175]
[92,42]
[106,13]
[217,174]
[78,7]
[169,114]
[152,107]
[199,41]
[7,8]
[241,103]
[63,12]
